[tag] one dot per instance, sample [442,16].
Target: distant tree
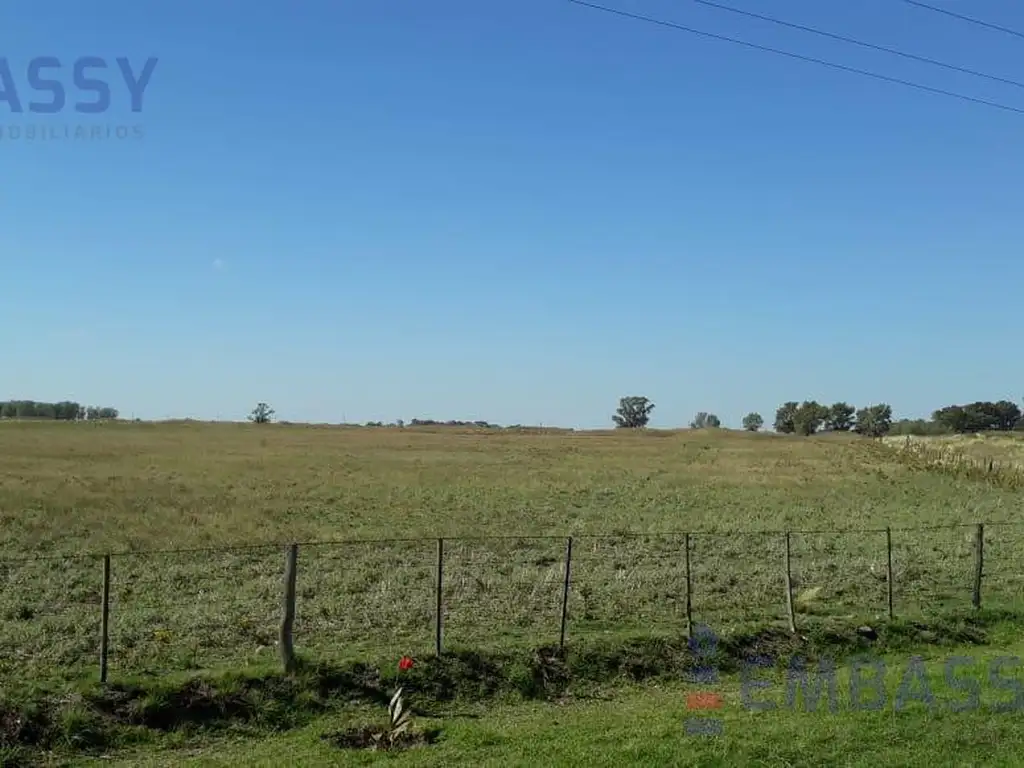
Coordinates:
[921,427]
[809,417]
[261,414]
[752,422]
[785,416]
[980,416]
[67,411]
[399,423]
[480,423]
[953,417]
[705,420]
[1007,414]
[45,411]
[840,417]
[874,421]
[634,412]
[25,409]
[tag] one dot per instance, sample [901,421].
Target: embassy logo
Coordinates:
[868,675]
[48,76]
[703,644]
[43,133]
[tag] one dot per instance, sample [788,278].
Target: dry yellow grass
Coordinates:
[1005,449]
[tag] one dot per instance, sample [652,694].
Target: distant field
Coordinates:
[69,489]
[1003,448]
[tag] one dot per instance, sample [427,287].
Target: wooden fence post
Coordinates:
[565,591]
[288,617]
[888,569]
[439,600]
[979,563]
[689,590]
[789,590]
[105,619]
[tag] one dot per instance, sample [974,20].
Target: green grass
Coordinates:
[645,728]
[70,492]
[632,725]
[177,717]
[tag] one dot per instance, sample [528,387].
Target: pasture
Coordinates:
[196,518]
[367,505]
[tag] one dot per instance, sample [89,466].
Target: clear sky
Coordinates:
[511,210]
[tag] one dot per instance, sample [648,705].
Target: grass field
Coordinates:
[644,726]
[72,490]
[69,489]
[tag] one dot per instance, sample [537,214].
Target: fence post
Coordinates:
[288,617]
[689,589]
[979,562]
[888,569]
[439,596]
[791,615]
[565,591]
[105,619]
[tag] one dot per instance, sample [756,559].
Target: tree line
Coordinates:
[811,417]
[65,410]
[264,414]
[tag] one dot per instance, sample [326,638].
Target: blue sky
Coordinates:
[512,211]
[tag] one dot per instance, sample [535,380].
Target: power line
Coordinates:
[800,57]
[969,19]
[861,43]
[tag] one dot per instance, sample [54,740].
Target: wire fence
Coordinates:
[138,613]
[955,459]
